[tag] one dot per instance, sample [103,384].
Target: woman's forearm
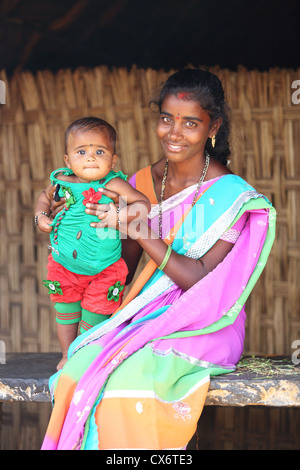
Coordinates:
[131,253]
[183,271]
[133,212]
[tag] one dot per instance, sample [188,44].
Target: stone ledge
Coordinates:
[265,381]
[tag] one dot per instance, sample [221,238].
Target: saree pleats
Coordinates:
[148,411]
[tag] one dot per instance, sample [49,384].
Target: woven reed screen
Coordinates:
[266,149]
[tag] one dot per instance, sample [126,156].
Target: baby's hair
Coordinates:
[205,88]
[91,123]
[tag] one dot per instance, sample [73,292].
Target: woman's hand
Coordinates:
[44,222]
[106,213]
[119,215]
[55,206]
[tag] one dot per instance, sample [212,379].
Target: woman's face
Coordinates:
[183,129]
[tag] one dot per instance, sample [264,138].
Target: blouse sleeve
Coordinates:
[132,181]
[232,234]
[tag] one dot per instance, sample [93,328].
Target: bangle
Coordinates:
[118,211]
[166,258]
[37,216]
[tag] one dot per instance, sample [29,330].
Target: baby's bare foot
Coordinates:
[62,362]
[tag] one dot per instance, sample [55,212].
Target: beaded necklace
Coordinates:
[163,187]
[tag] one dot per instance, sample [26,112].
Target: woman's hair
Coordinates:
[91,123]
[206,89]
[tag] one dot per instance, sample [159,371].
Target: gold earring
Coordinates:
[213,141]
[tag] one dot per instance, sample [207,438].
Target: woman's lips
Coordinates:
[175,147]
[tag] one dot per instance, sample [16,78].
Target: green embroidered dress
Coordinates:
[76,245]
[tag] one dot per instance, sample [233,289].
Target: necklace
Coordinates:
[163,187]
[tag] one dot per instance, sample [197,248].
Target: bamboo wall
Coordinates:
[266,149]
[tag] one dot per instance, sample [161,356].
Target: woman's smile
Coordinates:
[175,147]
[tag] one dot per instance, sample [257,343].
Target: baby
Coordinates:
[86,273]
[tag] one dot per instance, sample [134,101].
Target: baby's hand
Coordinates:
[43,223]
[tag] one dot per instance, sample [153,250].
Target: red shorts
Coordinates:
[91,291]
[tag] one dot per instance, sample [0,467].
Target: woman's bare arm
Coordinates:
[184,271]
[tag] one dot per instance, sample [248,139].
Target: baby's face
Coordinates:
[90,155]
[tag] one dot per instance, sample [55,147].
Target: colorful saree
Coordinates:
[140,379]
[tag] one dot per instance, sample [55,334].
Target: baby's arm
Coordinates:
[134,205]
[43,205]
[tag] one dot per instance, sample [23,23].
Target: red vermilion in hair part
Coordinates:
[182,95]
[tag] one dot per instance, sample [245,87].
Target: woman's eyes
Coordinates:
[169,120]
[190,124]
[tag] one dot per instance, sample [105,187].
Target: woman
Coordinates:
[139,381]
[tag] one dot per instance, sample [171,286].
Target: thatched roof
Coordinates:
[39,34]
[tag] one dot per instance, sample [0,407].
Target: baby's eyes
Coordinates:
[98,152]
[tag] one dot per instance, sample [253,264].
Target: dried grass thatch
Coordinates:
[266,148]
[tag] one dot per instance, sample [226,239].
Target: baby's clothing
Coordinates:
[101,293]
[75,244]
[85,268]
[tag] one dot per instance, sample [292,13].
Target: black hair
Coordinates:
[204,87]
[90,123]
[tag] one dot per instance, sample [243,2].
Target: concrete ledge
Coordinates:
[265,381]
[24,376]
